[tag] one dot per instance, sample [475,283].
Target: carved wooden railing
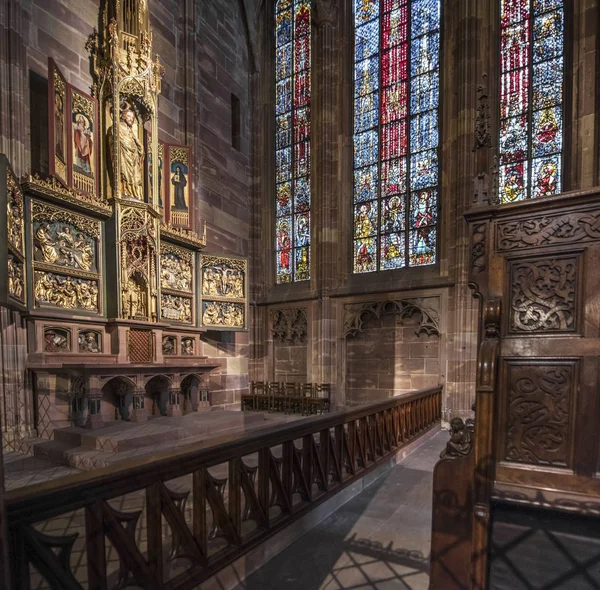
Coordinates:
[173,520]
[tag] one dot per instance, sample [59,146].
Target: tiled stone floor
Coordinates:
[22,470]
[377,541]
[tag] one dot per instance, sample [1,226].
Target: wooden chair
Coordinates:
[321,399]
[306,392]
[275,398]
[259,397]
[293,398]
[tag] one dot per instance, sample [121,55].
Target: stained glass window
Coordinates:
[292,139]
[531,97]
[396,100]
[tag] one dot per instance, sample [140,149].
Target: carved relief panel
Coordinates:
[224,289]
[139,285]
[176,284]
[13,249]
[539,411]
[544,295]
[66,258]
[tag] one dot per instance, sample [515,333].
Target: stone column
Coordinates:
[94,419]
[174,400]
[13,92]
[139,411]
[467,156]
[325,125]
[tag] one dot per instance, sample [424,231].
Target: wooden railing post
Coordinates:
[235,495]
[154,526]
[199,521]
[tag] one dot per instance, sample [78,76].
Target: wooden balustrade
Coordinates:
[175,519]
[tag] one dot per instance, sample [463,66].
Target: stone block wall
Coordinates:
[388,358]
[290,361]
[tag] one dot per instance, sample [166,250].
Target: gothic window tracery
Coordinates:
[292,139]
[396,138]
[531,98]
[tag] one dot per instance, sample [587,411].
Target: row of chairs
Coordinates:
[290,398]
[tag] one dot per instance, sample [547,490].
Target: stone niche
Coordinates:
[392,347]
[289,331]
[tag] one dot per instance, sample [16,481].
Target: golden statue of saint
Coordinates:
[131,155]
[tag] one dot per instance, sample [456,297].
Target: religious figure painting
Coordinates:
[84,147]
[57,117]
[179,186]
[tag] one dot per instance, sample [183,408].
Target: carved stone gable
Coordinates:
[289,325]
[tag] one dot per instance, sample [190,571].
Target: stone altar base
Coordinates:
[119,440]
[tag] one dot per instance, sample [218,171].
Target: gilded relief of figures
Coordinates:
[84,148]
[135,299]
[56,340]
[176,269]
[61,244]
[130,153]
[89,341]
[14,215]
[16,285]
[223,277]
[175,308]
[65,292]
[223,315]
[168,345]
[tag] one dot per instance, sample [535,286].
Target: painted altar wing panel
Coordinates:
[59,128]
[83,155]
[179,175]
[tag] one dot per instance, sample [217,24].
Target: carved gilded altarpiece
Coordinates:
[224,288]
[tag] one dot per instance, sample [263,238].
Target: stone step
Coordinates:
[120,436]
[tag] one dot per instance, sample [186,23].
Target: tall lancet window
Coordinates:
[292,141]
[396,101]
[531,113]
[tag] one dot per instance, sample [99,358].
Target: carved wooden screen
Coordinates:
[140,346]
[543,259]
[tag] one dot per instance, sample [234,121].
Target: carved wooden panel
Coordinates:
[539,412]
[544,295]
[548,230]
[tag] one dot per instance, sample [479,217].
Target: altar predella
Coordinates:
[104,255]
